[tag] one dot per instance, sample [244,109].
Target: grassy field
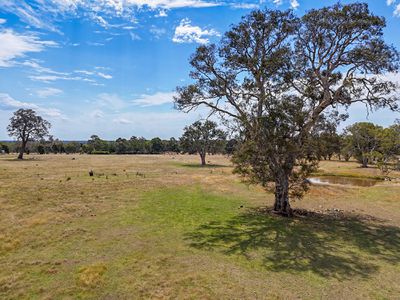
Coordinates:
[162,227]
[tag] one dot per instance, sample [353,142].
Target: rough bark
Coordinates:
[22,150]
[364,162]
[203,159]
[282,204]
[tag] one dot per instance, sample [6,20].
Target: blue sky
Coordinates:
[109,67]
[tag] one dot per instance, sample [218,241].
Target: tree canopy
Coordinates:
[275,76]
[202,138]
[26,125]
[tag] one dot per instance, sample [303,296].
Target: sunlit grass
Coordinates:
[152,227]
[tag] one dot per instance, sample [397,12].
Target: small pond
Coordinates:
[328,180]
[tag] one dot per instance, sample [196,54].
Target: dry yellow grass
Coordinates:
[162,227]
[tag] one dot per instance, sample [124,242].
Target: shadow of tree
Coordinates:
[339,245]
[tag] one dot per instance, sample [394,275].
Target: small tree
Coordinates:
[202,138]
[364,138]
[4,148]
[389,148]
[156,146]
[26,126]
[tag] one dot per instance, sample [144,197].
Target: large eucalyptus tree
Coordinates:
[275,76]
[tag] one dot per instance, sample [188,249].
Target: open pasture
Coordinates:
[162,227]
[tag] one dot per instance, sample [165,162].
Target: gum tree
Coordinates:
[365,141]
[26,126]
[202,138]
[275,76]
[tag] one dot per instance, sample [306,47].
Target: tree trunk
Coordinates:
[364,162]
[203,159]
[282,205]
[22,150]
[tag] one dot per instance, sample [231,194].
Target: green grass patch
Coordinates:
[185,208]
[349,175]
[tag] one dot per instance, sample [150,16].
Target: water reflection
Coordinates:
[327,180]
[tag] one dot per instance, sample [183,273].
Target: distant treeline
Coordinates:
[96,145]
[366,142]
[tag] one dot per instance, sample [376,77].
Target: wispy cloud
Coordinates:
[29,14]
[245,5]
[134,36]
[154,99]
[51,78]
[45,14]
[9,103]
[48,75]
[2,21]
[122,121]
[15,45]
[48,92]
[94,73]
[185,32]
[97,114]
[161,14]
[294,4]
[396,7]
[110,101]
[157,31]
[397,10]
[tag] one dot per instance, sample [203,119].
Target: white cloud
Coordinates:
[9,103]
[97,114]
[48,92]
[122,121]
[278,2]
[397,10]
[84,72]
[110,101]
[50,78]
[245,5]
[44,14]
[48,75]
[169,4]
[161,14]
[100,20]
[14,45]
[187,33]
[35,65]
[134,36]
[2,21]
[105,76]
[29,14]
[294,4]
[96,44]
[390,2]
[155,99]
[94,73]
[157,32]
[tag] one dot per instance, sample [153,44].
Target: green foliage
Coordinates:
[4,148]
[249,79]
[370,143]
[156,146]
[202,138]
[101,152]
[364,140]
[26,126]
